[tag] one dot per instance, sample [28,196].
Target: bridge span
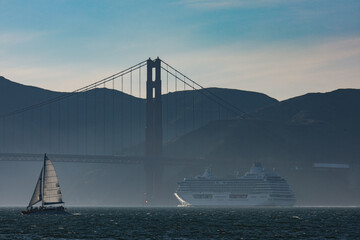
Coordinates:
[108,159]
[108,120]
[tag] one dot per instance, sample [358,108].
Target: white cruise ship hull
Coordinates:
[222,199]
[257,187]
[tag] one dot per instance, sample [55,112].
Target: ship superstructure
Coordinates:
[257,187]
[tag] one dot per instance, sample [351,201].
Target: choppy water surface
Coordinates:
[184,223]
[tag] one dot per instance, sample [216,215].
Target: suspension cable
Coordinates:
[223,103]
[238,110]
[83,89]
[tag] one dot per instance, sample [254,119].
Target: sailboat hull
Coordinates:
[41,211]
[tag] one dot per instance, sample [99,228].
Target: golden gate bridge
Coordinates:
[116,120]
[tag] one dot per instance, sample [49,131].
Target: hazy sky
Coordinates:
[283,48]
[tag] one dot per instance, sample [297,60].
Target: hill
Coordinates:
[291,136]
[104,120]
[100,121]
[338,108]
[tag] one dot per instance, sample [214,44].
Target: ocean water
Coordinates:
[184,223]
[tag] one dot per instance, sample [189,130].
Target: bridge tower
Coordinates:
[153,133]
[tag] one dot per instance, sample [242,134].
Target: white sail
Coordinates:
[51,188]
[36,197]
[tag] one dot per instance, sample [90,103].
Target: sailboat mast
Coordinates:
[42,183]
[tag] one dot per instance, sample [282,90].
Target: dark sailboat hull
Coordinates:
[42,211]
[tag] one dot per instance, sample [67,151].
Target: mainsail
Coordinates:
[36,197]
[51,187]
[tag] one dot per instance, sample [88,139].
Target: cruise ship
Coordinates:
[257,187]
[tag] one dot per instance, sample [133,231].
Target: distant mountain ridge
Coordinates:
[87,124]
[289,135]
[112,113]
[15,95]
[9,90]
[335,113]
[337,107]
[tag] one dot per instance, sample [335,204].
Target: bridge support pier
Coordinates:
[153,133]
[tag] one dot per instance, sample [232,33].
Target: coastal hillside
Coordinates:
[106,121]
[291,136]
[322,126]
[87,124]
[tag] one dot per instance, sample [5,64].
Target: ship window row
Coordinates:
[236,191]
[233,183]
[219,182]
[236,196]
[227,181]
[217,190]
[281,195]
[237,188]
[240,187]
[203,196]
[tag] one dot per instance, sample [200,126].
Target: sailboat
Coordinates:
[47,191]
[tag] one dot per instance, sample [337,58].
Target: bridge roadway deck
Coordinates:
[114,159]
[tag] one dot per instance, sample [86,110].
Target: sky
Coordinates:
[283,48]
